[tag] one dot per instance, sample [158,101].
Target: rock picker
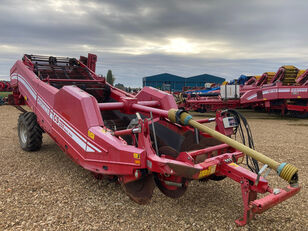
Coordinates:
[142,141]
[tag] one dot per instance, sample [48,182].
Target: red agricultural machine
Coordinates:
[285,91]
[5,87]
[142,140]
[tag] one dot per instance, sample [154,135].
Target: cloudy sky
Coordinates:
[137,38]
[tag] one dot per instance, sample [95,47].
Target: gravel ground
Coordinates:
[45,190]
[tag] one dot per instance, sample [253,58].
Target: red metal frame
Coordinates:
[251,81]
[72,117]
[90,61]
[204,104]
[303,79]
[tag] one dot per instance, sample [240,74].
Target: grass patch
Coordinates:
[4,94]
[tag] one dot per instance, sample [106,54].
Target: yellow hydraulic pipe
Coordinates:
[286,171]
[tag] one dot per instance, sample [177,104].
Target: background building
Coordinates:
[171,82]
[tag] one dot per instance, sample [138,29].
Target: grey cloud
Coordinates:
[262,34]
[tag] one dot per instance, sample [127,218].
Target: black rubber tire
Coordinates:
[216,178]
[29,132]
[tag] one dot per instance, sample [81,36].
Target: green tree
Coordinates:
[110,77]
[120,86]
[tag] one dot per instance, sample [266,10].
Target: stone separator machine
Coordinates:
[142,140]
[285,90]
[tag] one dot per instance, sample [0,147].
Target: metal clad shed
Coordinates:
[177,82]
[199,80]
[157,81]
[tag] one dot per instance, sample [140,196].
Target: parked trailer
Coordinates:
[142,140]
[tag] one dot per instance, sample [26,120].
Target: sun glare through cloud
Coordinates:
[181,46]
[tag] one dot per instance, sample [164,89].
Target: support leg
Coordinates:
[247,196]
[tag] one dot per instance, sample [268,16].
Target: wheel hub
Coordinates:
[23,133]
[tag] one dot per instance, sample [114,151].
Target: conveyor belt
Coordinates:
[265,78]
[258,77]
[270,76]
[286,74]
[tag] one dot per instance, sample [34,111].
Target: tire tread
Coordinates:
[34,132]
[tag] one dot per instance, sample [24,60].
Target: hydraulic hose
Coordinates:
[288,172]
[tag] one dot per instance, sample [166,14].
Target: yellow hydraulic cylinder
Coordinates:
[286,171]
